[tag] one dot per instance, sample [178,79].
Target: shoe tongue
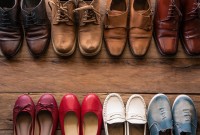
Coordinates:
[115,12]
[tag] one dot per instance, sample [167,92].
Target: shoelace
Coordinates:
[187,114]
[171,12]
[195,13]
[62,12]
[90,14]
[5,19]
[31,19]
[45,106]
[25,108]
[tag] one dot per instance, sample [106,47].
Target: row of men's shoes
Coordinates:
[87,118]
[81,22]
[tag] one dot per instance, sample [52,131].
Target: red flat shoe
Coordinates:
[91,115]
[47,115]
[24,116]
[70,115]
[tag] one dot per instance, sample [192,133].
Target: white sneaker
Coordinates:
[136,115]
[113,112]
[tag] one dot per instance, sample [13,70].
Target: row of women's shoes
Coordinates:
[80,22]
[87,118]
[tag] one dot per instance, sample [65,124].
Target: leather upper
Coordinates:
[24,104]
[140,33]
[190,35]
[166,26]
[63,26]
[69,103]
[115,27]
[48,103]
[90,27]
[36,25]
[11,33]
[91,103]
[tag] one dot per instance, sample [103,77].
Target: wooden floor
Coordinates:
[101,75]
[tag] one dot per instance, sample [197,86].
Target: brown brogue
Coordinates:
[190,27]
[11,33]
[140,33]
[166,26]
[36,26]
[90,32]
[63,26]
[115,26]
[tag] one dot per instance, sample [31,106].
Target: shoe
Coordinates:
[70,115]
[141,25]
[91,115]
[184,116]
[11,33]
[63,26]
[24,116]
[115,26]
[47,115]
[166,26]
[136,115]
[159,115]
[90,29]
[114,115]
[36,26]
[190,35]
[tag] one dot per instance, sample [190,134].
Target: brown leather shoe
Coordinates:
[140,33]
[36,26]
[90,30]
[63,26]
[11,33]
[190,27]
[166,26]
[115,29]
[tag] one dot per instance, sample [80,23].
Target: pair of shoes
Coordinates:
[35,23]
[124,120]
[138,27]
[174,18]
[65,32]
[26,114]
[80,120]
[182,119]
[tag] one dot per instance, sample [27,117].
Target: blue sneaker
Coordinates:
[159,115]
[185,116]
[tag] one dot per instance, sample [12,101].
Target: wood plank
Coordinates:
[80,75]
[9,99]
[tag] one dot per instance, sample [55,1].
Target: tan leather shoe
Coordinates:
[90,30]
[140,33]
[115,26]
[63,27]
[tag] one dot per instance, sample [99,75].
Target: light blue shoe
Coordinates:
[184,115]
[159,115]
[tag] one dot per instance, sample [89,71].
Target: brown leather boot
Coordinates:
[115,26]
[140,33]
[166,26]
[90,30]
[63,26]
[36,26]
[11,33]
[190,27]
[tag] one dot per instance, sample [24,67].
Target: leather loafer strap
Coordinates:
[116,21]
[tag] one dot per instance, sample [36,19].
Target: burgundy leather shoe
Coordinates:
[47,115]
[190,27]
[91,115]
[70,115]
[166,26]
[24,116]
